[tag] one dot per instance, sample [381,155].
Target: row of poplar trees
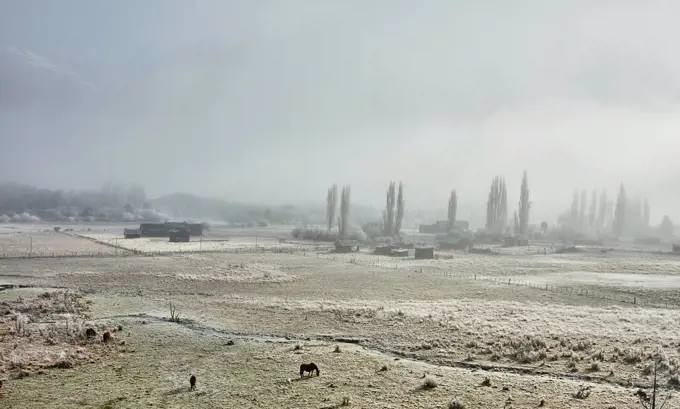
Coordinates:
[497,208]
[393,215]
[331,209]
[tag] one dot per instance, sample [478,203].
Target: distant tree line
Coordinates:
[625,216]
[119,202]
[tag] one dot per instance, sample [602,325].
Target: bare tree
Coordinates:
[620,212]
[497,206]
[592,210]
[453,208]
[331,205]
[645,216]
[344,212]
[574,210]
[582,210]
[400,210]
[388,214]
[524,207]
[667,228]
[602,222]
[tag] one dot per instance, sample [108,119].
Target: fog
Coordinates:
[273,101]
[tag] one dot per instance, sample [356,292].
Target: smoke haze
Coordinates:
[273,101]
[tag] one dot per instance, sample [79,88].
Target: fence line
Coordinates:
[504,280]
[133,252]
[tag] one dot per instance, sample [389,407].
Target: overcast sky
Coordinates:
[275,100]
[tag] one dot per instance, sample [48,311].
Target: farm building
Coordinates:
[399,253]
[132,233]
[383,250]
[163,229]
[424,253]
[179,235]
[346,246]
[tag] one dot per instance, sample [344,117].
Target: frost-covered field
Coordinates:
[45,243]
[536,343]
[207,244]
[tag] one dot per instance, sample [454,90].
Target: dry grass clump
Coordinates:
[456,404]
[632,356]
[583,392]
[429,384]
[527,350]
[48,331]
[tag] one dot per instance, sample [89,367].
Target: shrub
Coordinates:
[174,315]
[429,383]
[456,404]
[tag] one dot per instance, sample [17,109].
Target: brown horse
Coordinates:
[310,368]
[192,382]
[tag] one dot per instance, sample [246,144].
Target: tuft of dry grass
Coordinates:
[429,383]
[174,315]
[456,404]
[583,392]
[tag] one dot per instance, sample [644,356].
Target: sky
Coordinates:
[275,100]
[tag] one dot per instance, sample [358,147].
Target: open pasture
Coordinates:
[249,319]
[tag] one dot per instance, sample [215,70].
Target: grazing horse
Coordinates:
[192,382]
[310,368]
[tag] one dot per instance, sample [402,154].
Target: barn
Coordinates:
[180,235]
[383,250]
[132,233]
[163,229]
[424,253]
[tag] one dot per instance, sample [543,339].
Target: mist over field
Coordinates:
[438,204]
[270,103]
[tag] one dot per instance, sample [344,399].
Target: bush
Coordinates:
[456,404]
[429,383]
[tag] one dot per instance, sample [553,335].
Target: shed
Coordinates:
[132,233]
[179,235]
[346,246]
[399,253]
[383,250]
[424,253]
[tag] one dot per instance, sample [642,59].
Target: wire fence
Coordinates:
[322,251]
[599,294]
[117,250]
